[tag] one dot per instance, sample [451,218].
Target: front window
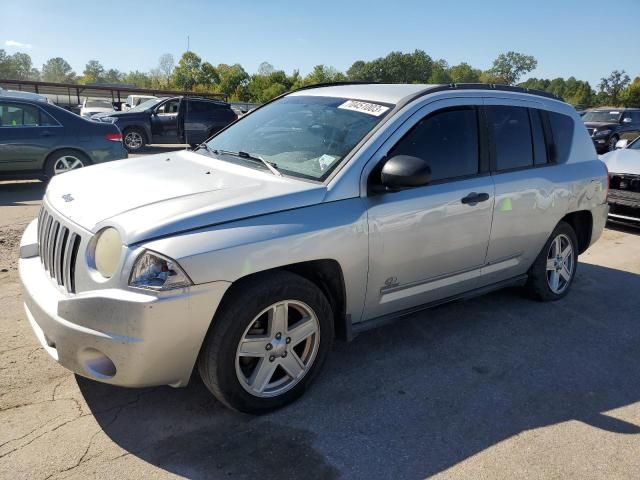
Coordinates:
[302,136]
[604,116]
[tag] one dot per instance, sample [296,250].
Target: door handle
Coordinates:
[474,198]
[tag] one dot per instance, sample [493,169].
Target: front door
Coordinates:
[429,243]
[164,122]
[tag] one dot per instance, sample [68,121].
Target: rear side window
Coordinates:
[537,134]
[447,140]
[562,128]
[511,134]
[200,107]
[47,120]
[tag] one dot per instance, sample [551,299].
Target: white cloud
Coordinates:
[13,43]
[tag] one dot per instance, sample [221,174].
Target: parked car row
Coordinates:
[39,139]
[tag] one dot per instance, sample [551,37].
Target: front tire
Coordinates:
[134,139]
[612,143]
[269,339]
[552,274]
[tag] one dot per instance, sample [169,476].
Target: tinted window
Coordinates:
[537,134]
[635,117]
[562,128]
[18,115]
[448,140]
[511,134]
[202,107]
[47,120]
[169,107]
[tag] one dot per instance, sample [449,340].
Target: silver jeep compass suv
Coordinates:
[324,212]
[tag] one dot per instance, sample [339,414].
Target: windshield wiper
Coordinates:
[272,168]
[205,147]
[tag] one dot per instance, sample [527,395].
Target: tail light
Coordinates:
[114,137]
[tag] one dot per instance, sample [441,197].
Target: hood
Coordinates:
[157,195]
[600,125]
[625,160]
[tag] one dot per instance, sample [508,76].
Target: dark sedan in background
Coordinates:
[174,120]
[39,140]
[607,125]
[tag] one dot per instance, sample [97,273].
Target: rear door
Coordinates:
[525,173]
[631,127]
[164,122]
[27,134]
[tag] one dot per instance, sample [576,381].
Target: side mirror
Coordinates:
[127,105]
[622,144]
[405,171]
[626,120]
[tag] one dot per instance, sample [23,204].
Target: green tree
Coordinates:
[93,72]
[439,73]
[113,76]
[58,70]
[188,72]
[631,96]
[17,67]
[509,67]
[139,79]
[321,74]
[233,81]
[208,76]
[464,73]
[613,86]
[396,67]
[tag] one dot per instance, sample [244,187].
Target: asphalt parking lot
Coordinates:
[494,387]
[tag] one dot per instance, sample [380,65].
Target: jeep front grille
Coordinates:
[58,249]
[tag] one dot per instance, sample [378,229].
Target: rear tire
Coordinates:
[268,341]
[65,160]
[134,139]
[551,275]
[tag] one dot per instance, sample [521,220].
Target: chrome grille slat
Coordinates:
[58,247]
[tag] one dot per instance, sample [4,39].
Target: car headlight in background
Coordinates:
[602,133]
[157,272]
[107,119]
[107,252]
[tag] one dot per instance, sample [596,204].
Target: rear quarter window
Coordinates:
[562,127]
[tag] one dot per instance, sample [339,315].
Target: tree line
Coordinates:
[192,73]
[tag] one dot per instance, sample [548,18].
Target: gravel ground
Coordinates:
[495,387]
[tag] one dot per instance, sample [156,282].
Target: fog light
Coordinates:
[96,363]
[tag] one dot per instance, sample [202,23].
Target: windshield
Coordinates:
[146,105]
[635,145]
[609,116]
[303,136]
[98,103]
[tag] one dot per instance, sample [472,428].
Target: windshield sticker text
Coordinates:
[364,107]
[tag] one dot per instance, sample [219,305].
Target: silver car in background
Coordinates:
[325,212]
[624,181]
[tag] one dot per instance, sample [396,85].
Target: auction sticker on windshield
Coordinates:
[364,107]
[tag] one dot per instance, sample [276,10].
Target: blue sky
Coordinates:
[584,38]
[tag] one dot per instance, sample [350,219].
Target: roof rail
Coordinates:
[334,84]
[494,86]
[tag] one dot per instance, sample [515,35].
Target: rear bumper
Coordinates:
[123,337]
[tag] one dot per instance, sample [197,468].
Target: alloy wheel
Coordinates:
[278,348]
[67,163]
[560,264]
[133,140]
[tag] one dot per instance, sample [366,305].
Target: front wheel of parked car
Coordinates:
[552,273]
[134,139]
[64,161]
[267,342]
[612,143]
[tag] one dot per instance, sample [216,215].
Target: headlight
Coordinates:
[107,252]
[602,133]
[157,272]
[108,119]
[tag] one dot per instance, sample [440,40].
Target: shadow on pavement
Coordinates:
[17,193]
[411,399]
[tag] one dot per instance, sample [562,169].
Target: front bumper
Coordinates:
[124,337]
[601,144]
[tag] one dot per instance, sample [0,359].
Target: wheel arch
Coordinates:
[326,274]
[582,223]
